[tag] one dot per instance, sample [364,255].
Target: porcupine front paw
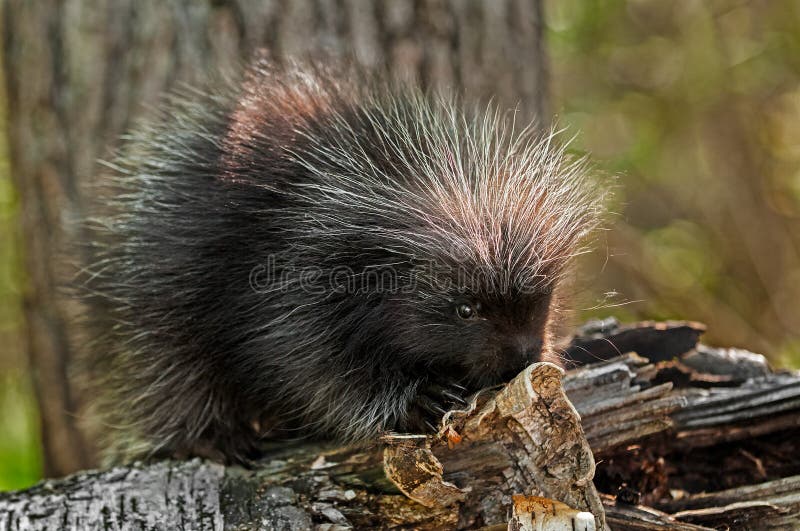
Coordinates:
[433,400]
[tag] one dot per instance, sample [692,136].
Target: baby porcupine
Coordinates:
[323,254]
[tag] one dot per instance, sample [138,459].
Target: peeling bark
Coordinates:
[667,438]
[526,439]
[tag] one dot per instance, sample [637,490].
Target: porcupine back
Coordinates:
[227,275]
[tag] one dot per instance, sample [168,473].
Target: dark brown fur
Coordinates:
[292,257]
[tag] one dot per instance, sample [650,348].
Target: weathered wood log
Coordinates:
[689,442]
[770,505]
[606,339]
[670,426]
[525,439]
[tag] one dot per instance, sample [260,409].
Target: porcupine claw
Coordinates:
[451,391]
[433,402]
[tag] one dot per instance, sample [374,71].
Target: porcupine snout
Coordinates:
[519,352]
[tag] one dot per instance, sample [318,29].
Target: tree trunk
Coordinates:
[78,72]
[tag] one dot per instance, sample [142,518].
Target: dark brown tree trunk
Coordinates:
[79,71]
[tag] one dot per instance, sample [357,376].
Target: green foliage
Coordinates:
[20,453]
[20,459]
[696,107]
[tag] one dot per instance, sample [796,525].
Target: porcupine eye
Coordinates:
[466,311]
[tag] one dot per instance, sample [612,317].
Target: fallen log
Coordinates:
[692,438]
[705,437]
[524,439]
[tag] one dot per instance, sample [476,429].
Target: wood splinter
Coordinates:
[525,440]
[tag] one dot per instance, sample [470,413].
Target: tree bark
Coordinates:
[78,72]
[705,439]
[525,440]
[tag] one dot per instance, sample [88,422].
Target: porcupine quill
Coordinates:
[315,253]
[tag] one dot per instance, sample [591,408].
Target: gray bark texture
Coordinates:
[78,72]
[526,438]
[689,438]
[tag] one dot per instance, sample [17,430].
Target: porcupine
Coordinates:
[319,253]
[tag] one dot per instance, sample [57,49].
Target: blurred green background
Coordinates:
[695,106]
[20,456]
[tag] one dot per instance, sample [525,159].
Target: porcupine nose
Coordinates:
[521,351]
